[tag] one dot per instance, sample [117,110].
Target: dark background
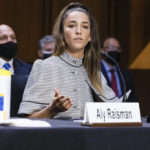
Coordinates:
[127,20]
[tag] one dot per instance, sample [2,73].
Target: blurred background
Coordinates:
[127,20]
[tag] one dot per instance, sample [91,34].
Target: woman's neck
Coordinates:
[79,54]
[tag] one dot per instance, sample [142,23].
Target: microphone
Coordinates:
[124,85]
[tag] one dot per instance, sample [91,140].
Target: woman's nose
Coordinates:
[78,30]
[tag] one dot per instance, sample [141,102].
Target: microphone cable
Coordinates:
[122,78]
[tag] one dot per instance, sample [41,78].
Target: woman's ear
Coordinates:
[89,39]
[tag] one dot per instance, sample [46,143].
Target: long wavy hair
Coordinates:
[91,59]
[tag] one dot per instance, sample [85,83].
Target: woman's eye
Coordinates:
[71,26]
[85,27]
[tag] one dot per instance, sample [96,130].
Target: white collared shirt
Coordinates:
[2,62]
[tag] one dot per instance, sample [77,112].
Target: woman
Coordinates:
[61,85]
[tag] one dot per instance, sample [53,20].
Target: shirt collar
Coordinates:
[107,68]
[2,62]
[76,62]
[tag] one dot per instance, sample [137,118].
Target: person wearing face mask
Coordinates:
[8,50]
[46,47]
[19,69]
[111,47]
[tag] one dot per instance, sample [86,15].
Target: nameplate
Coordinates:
[112,114]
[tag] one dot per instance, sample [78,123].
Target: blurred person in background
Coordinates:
[111,47]
[19,69]
[46,47]
[8,50]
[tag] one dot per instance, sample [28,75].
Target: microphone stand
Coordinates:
[124,85]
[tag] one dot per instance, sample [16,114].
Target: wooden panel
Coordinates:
[146,19]
[142,86]
[142,61]
[31,20]
[121,28]
[139,26]
[26,18]
[47,15]
[136,25]
[126,20]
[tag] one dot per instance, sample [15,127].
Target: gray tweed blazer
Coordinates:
[68,75]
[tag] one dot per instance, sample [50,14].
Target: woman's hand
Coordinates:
[60,103]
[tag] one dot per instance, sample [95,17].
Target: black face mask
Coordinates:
[115,55]
[46,56]
[8,50]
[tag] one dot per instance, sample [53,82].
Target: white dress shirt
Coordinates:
[2,62]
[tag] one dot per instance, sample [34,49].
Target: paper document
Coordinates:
[21,122]
[127,95]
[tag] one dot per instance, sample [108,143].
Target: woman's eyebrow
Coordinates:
[73,21]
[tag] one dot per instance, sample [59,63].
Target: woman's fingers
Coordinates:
[59,98]
[67,105]
[56,92]
[63,103]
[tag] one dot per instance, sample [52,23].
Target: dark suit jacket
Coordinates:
[18,82]
[21,68]
[128,82]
